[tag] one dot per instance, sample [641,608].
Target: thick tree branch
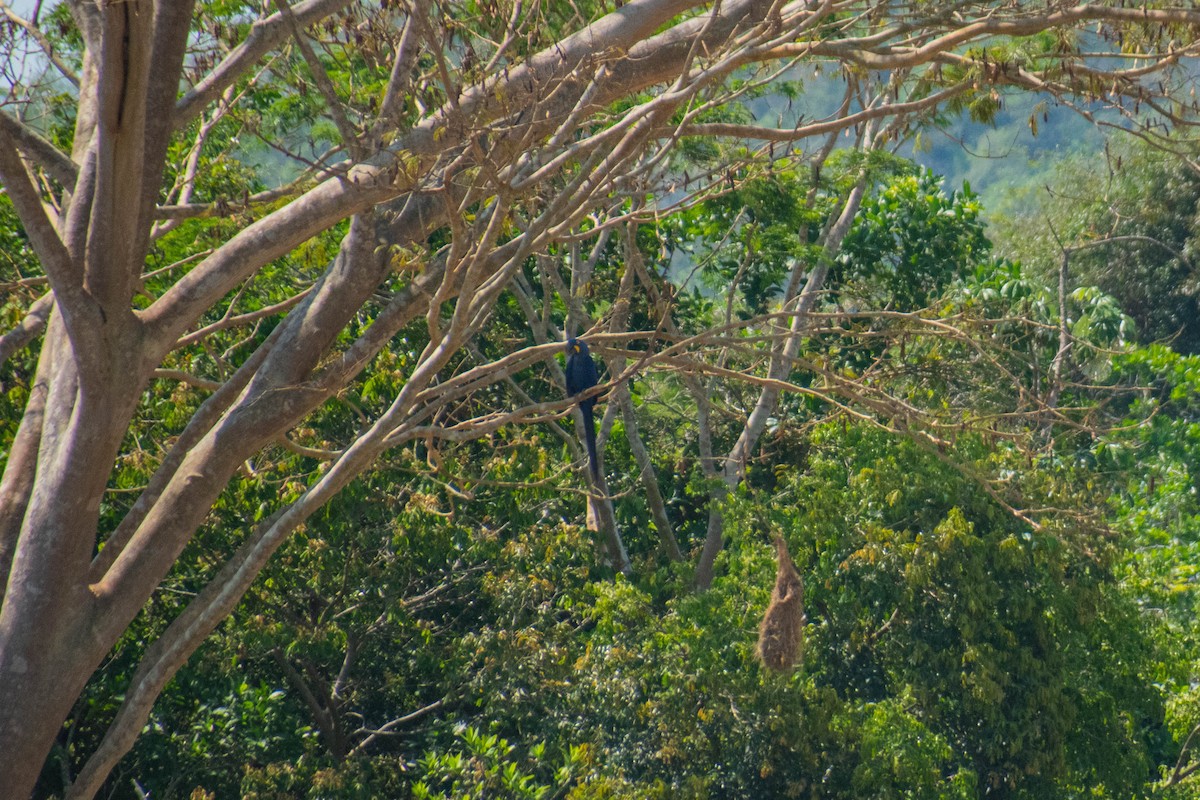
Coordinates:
[265,35]
[261,242]
[31,326]
[58,165]
[20,470]
[78,310]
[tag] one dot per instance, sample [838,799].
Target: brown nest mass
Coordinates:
[781,634]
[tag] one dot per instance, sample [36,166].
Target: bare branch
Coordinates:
[407,52]
[265,34]
[835,125]
[185,377]
[48,49]
[390,727]
[229,321]
[324,84]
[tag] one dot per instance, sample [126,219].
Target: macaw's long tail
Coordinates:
[589,430]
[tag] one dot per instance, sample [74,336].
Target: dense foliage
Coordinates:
[980,445]
[443,629]
[1133,236]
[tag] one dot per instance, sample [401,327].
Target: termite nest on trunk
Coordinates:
[781,634]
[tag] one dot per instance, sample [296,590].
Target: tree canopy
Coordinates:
[286,291]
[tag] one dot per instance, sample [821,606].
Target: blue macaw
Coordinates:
[581,376]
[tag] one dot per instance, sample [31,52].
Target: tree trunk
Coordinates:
[49,634]
[781,364]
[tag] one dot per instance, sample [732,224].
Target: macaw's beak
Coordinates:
[575,347]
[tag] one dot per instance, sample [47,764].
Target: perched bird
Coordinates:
[581,376]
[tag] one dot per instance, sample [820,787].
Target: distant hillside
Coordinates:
[997,158]
[992,158]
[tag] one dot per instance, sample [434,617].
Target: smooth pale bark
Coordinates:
[654,498]
[63,607]
[49,643]
[622,397]
[768,400]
